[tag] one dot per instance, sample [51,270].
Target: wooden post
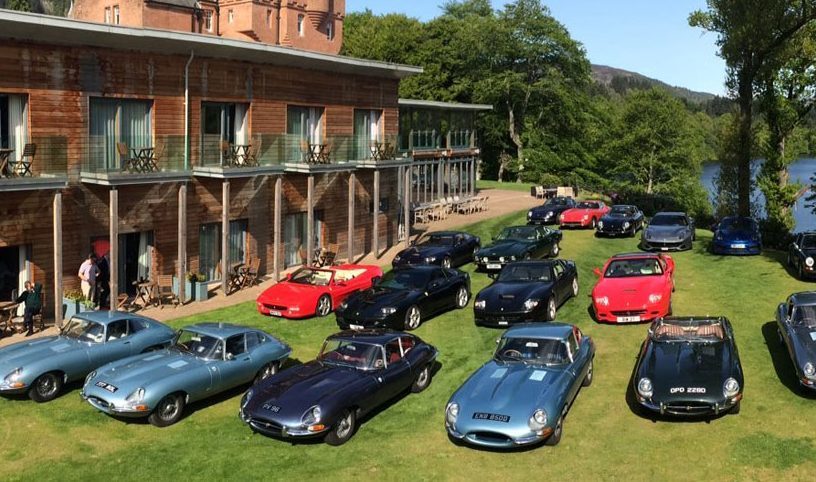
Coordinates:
[182,242]
[375,233]
[440,172]
[58,260]
[309,217]
[277,230]
[225,215]
[351,201]
[113,236]
[406,207]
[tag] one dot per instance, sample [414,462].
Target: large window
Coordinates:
[208,20]
[294,236]
[13,123]
[367,130]
[300,20]
[304,126]
[115,121]
[222,125]
[209,246]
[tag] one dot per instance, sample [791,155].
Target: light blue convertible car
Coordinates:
[204,359]
[522,395]
[89,340]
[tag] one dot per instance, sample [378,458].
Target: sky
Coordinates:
[651,37]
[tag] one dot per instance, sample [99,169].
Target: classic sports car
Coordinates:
[796,326]
[444,248]
[522,395]
[549,212]
[737,235]
[42,366]
[633,287]
[526,291]
[315,291]
[689,366]
[584,215]
[668,232]
[205,359]
[356,372]
[404,298]
[517,243]
[801,254]
[620,220]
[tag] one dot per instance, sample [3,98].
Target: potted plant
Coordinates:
[74,302]
[195,287]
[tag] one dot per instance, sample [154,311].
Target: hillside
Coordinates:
[621,80]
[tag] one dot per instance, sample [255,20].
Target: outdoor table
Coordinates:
[144,292]
[143,159]
[7,311]
[236,277]
[317,153]
[240,154]
[5,168]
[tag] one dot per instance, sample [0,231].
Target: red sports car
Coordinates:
[585,215]
[633,288]
[316,291]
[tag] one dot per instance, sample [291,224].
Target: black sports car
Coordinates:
[443,248]
[668,232]
[622,219]
[548,212]
[801,255]
[796,325]
[355,373]
[518,243]
[526,291]
[689,366]
[405,297]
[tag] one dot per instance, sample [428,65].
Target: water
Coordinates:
[800,171]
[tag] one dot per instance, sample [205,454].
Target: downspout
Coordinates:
[187,111]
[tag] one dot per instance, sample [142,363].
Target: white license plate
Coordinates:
[493,266]
[356,327]
[664,249]
[502,322]
[275,313]
[738,246]
[628,319]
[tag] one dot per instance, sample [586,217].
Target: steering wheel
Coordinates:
[512,353]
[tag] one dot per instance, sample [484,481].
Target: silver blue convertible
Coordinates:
[522,395]
[205,359]
[42,366]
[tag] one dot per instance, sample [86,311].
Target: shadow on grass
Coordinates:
[782,363]
[67,389]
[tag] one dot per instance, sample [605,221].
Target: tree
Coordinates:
[19,5]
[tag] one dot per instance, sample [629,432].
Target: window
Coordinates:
[300,25]
[115,121]
[330,31]
[208,20]
[220,124]
[117,330]
[116,14]
[209,246]
[107,15]
[235,346]
[254,339]
[294,236]
[367,132]
[269,18]
[13,123]
[230,16]
[304,126]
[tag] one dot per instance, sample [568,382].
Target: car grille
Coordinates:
[629,313]
[276,307]
[98,401]
[664,244]
[689,408]
[507,317]
[266,427]
[491,437]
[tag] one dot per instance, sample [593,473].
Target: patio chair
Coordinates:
[304,256]
[124,302]
[251,273]
[164,291]
[227,154]
[131,163]
[251,159]
[306,151]
[330,254]
[325,154]
[23,166]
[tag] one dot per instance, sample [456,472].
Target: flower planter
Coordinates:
[72,307]
[193,291]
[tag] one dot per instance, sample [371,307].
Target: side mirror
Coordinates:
[795,246]
[597,272]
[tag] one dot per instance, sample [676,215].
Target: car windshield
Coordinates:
[539,351]
[526,233]
[684,332]
[622,211]
[668,220]
[804,315]
[624,268]
[84,330]
[588,205]
[437,240]
[738,224]
[808,241]
[352,353]
[526,272]
[405,279]
[314,277]
[557,201]
[200,345]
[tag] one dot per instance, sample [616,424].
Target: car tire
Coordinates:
[575,287]
[46,387]
[266,371]
[446,262]
[343,429]
[324,306]
[552,309]
[735,410]
[413,318]
[168,411]
[462,297]
[590,374]
[593,223]
[422,380]
[555,250]
[556,435]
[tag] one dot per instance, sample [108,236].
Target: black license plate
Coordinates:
[491,416]
[106,386]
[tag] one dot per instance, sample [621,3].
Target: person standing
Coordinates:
[32,297]
[103,282]
[88,272]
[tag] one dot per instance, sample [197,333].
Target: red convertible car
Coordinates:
[585,215]
[633,288]
[316,291]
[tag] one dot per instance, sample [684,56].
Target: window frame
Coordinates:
[301,21]
[116,15]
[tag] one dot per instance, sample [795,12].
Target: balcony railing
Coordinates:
[106,155]
[42,161]
[429,140]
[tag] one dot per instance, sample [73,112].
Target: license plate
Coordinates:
[275,313]
[502,322]
[738,246]
[106,386]
[493,266]
[664,249]
[356,327]
[491,416]
[628,319]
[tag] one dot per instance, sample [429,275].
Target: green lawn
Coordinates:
[507,185]
[773,437]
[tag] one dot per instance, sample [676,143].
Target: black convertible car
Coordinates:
[355,373]
[526,291]
[796,325]
[621,220]
[548,212]
[518,243]
[443,248]
[801,253]
[405,297]
[689,366]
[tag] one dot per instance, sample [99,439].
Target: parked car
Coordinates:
[550,211]
[443,248]
[205,359]
[585,214]
[526,291]
[315,291]
[355,373]
[737,235]
[518,243]
[796,327]
[801,253]
[404,298]
[621,220]
[668,231]
[522,396]
[633,287]
[689,366]
[42,366]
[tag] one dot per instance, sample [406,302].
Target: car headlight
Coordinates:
[452,413]
[809,370]
[530,304]
[137,396]
[529,214]
[14,375]
[626,225]
[484,259]
[388,310]
[655,297]
[600,224]
[343,305]
[809,261]
[89,377]
[247,397]
[548,215]
[312,416]
[396,258]
[512,258]
[430,259]
[501,259]
[645,388]
[538,420]
[602,300]
[561,217]
[730,388]
[479,304]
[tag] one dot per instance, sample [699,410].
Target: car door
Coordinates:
[437,291]
[542,243]
[236,368]
[460,247]
[786,329]
[341,289]
[558,274]
[397,374]
[117,344]
[577,368]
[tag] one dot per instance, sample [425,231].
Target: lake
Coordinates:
[800,171]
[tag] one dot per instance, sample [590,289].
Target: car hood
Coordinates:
[505,248]
[289,294]
[809,252]
[806,344]
[631,289]
[377,298]
[615,219]
[419,253]
[147,368]
[736,234]
[513,294]
[507,388]
[576,213]
[542,210]
[661,232]
[27,352]
[680,364]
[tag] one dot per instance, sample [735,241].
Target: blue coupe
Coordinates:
[737,235]
[523,394]
[42,366]
[205,359]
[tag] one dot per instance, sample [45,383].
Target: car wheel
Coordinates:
[324,306]
[555,250]
[168,411]
[422,380]
[551,309]
[590,373]
[735,410]
[461,297]
[266,371]
[343,429]
[413,318]
[446,262]
[575,286]
[593,223]
[46,387]
[527,256]
[556,435]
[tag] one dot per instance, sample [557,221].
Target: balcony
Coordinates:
[42,164]
[107,162]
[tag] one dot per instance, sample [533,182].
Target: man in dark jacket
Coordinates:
[33,304]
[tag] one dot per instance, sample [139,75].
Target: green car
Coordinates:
[517,243]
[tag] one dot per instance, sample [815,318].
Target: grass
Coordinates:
[506,185]
[772,438]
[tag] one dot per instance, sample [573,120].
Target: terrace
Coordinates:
[39,164]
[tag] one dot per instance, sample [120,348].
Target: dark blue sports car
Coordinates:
[356,372]
[737,235]
[549,212]
[442,248]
